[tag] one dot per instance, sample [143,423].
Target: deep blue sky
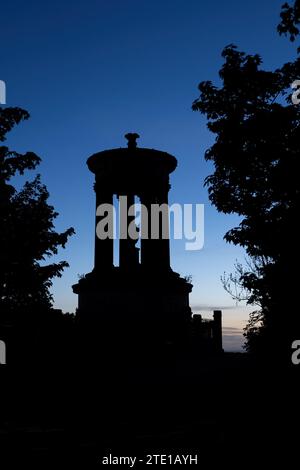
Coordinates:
[90,71]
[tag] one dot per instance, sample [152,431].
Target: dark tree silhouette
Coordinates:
[256,161]
[27,235]
[290,19]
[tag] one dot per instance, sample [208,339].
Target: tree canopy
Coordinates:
[27,233]
[256,175]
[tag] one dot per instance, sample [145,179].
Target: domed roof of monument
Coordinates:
[131,157]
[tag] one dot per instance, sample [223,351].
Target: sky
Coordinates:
[91,71]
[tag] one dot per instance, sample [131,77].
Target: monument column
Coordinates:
[164,236]
[155,250]
[129,254]
[104,248]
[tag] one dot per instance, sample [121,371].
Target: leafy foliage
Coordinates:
[256,162]
[290,19]
[27,234]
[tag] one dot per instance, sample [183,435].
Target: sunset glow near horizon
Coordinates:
[88,72]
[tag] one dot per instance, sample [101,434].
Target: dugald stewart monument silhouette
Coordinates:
[142,301]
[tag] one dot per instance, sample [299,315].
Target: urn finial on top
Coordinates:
[131,137]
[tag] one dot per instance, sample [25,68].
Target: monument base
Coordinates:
[127,309]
